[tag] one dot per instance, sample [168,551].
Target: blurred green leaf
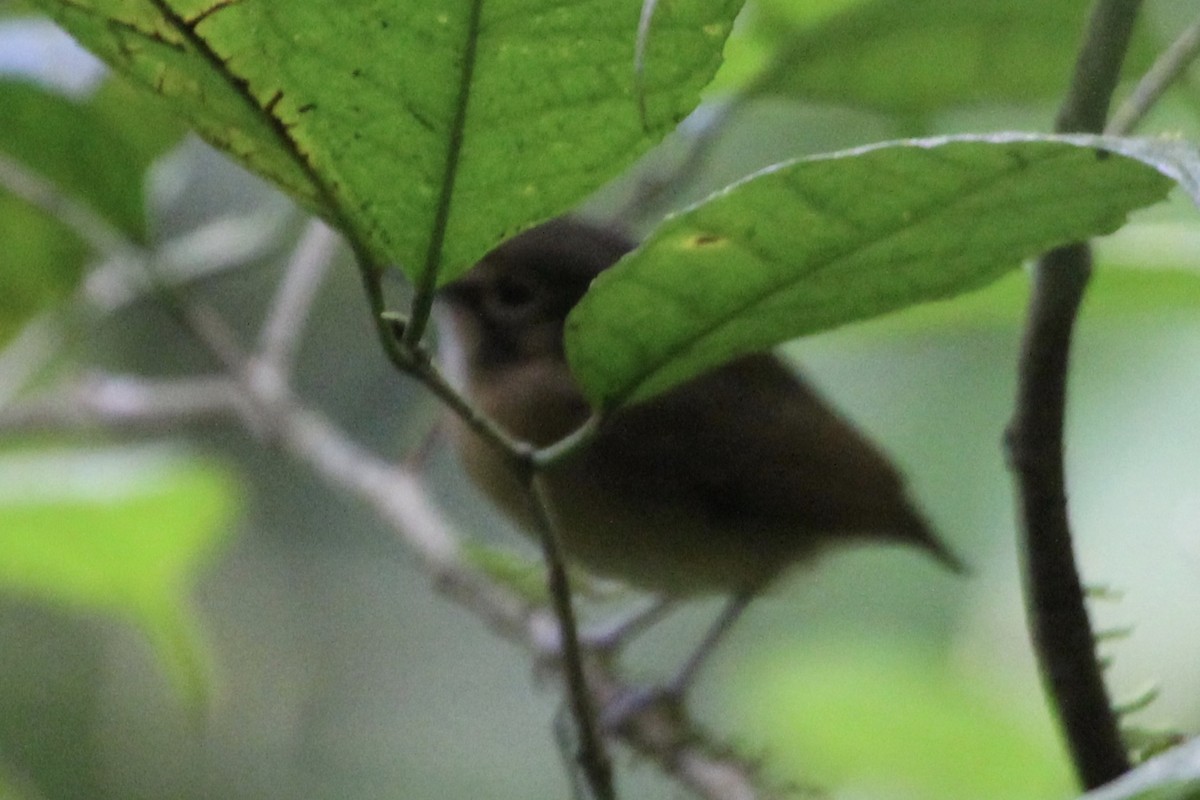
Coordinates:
[882,715]
[519,572]
[1174,775]
[118,532]
[41,262]
[67,144]
[427,131]
[143,119]
[815,243]
[917,56]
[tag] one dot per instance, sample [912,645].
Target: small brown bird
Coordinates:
[716,486]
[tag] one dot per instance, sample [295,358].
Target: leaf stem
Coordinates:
[426,284]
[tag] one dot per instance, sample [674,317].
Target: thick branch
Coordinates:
[1058,619]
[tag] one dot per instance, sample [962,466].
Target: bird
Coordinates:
[717,486]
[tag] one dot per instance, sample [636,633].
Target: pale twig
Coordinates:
[657,189]
[218,246]
[116,401]
[22,359]
[283,327]
[1168,68]
[93,229]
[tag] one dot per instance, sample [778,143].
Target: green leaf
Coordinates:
[426,131]
[72,147]
[863,715]
[143,118]
[120,532]
[815,243]
[916,56]
[1174,775]
[41,262]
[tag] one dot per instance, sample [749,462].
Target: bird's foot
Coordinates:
[635,701]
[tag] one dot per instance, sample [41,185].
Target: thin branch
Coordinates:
[657,189]
[1168,68]
[210,329]
[1058,618]
[22,359]
[93,229]
[123,402]
[593,755]
[223,244]
[281,332]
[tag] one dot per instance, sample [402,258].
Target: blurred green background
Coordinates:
[337,672]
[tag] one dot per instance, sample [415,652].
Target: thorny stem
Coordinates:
[1058,619]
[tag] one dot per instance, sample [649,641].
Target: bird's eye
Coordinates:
[514,293]
[514,298]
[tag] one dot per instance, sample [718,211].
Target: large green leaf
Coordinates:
[427,131]
[819,242]
[915,56]
[114,531]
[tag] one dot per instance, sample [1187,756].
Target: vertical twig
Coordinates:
[1058,620]
[414,361]
[593,755]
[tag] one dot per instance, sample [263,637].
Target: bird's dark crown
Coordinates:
[519,295]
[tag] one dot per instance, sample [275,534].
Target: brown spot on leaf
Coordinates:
[703,240]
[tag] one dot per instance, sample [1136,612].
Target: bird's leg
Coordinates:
[671,693]
[686,675]
[610,635]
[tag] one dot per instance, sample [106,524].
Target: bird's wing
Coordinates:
[751,441]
